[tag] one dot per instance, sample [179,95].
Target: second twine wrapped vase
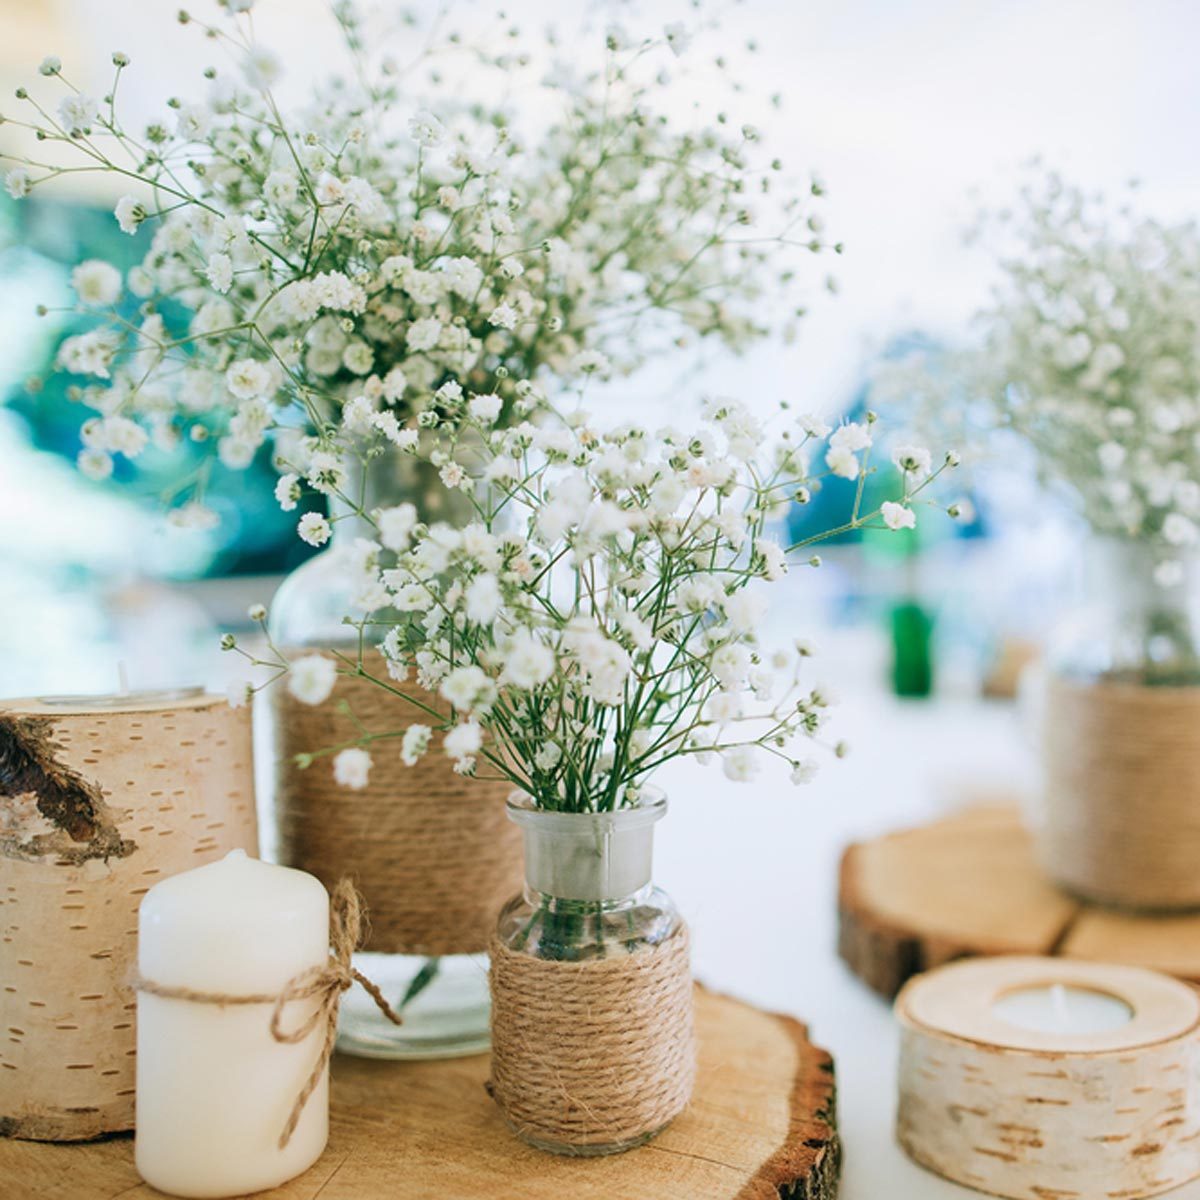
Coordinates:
[593,1048]
[1119,818]
[431,851]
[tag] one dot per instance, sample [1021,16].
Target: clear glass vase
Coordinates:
[1139,622]
[1117,818]
[431,851]
[588,899]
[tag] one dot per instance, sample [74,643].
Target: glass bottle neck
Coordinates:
[389,479]
[594,857]
[545,902]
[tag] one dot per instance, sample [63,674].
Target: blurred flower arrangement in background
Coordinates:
[1090,353]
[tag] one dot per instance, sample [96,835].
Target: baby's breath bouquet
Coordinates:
[601,614]
[1090,353]
[394,242]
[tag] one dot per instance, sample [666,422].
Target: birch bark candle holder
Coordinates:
[100,798]
[1040,1077]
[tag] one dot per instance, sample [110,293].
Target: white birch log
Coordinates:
[95,807]
[1040,1116]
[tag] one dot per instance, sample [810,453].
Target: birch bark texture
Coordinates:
[97,804]
[1049,1116]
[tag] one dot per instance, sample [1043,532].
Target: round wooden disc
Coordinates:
[760,1125]
[968,885]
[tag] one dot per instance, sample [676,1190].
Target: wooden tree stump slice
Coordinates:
[761,1126]
[968,885]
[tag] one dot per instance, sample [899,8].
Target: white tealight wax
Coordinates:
[1059,1008]
[214,1087]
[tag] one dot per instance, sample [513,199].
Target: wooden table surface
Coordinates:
[760,1126]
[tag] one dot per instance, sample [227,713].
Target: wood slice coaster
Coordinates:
[968,885]
[761,1126]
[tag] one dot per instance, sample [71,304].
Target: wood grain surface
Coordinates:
[968,885]
[761,1126]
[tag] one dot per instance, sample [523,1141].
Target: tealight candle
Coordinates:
[1062,1009]
[215,1088]
[1029,1077]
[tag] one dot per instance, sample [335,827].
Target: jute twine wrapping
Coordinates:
[1120,819]
[325,984]
[592,1053]
[432,851]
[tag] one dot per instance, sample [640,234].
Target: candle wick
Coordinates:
[1058,998]
[123,677]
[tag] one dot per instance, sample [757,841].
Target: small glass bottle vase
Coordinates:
[592,1035]
[431,851]
[1118,818]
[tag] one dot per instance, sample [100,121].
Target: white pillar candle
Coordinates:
[214,1087]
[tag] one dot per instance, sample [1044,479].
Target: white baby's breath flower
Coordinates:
[424,334]
[130,213]
[773,559]
[95,464]
[358,358]
[425,129]
[219,272]
[261,67]
[96,283]
[78,113]
[396,525]
[804,771]
[740,764]
[287,491]
[247,379]
[463,741]
[351,768]
[468,689]
[913,460]
[311,679]
[678,37]
[192,122]
[503,316]
[485,409]
[1180,530]
[483,599]
[17,183]
[314,529]
[528,663]
[897,516]
[842,461]
[394,383]
[414,744]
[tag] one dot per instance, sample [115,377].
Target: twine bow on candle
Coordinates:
[325,984]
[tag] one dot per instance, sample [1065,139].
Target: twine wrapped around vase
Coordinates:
[431,851]
[1120,812]
[595,1053]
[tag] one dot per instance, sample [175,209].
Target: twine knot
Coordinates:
[324,983]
